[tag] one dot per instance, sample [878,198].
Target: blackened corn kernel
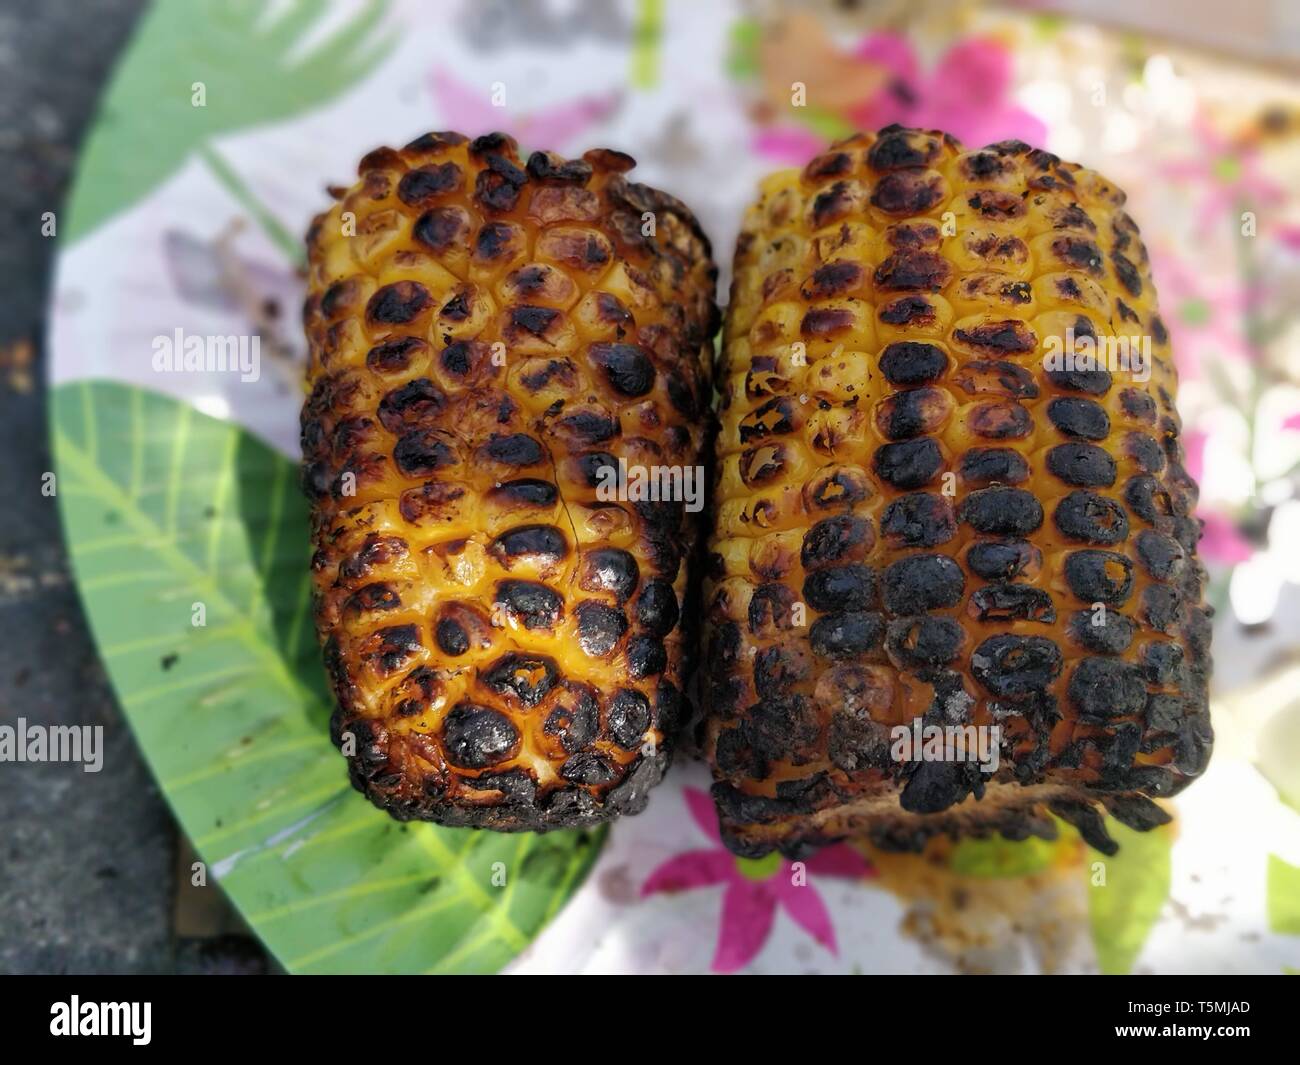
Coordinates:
[1104,688]
[920,642]
[1082,465]
[1011,602]
[1090,382]
[919,583]
[1161,556]
[1104,633]
[1161,607]
[918,519]
[1016,666]
[609,569]
[1091,518]
[1003,560]
[845,537]
[983,466]
[1161,662]
[477,736]
[1149,499]
[996,377]
[1099,576]
[913,412]
[909,363]
[908,463]
[1002,511]
[851,587]
[1082,418]
[850,634]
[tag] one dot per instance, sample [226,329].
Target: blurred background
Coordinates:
[1192,107]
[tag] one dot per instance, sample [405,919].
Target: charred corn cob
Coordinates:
[488,338]
[934,510]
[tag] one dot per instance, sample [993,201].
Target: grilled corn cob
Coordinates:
[926,510]
[488,338]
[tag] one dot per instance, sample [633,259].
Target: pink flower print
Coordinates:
[1205,320]
[755,888]
[967,94]
[470,110]
[1288,236]
[1221,541]
[787,144]
[1194,441]
[1226,175]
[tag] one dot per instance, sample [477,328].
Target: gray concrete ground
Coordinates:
[86,860]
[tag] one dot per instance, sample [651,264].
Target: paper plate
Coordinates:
[218,134]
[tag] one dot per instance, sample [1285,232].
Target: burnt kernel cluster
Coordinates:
[505,643]
[919,514]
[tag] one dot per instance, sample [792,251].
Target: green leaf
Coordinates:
[647,43]
[826,124]
[1125,907]
[1047,25]
[742,52]
[1283,897]
[252,68]
[998,857]
[166,508]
